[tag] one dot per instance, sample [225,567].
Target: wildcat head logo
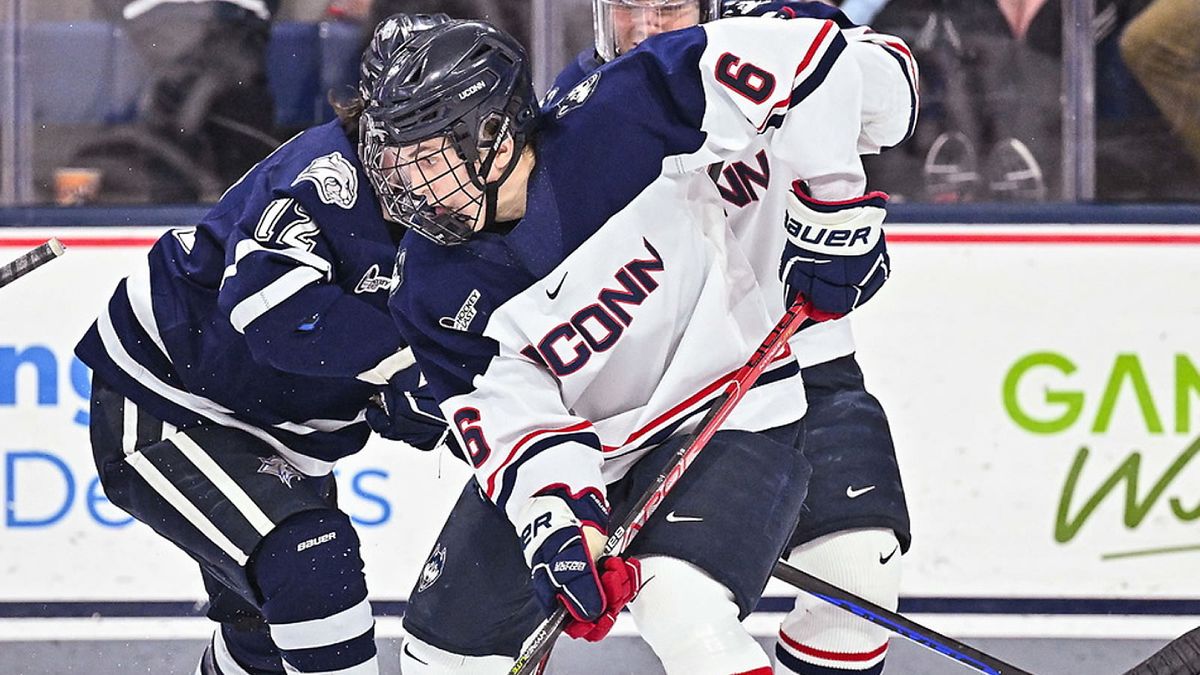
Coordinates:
[335,179]
[278,467]
[433,567]
[579,95]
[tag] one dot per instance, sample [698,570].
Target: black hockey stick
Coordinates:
[946,646]
[30,260]
[1180,657]
[743,379]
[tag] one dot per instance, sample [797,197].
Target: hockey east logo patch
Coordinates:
[335,179]
[372,281]
[466,314]
[433,567]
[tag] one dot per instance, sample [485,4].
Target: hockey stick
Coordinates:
[30,260]
[1180,657]
[743,379]
[903,626]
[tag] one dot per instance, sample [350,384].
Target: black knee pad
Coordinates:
[309,565]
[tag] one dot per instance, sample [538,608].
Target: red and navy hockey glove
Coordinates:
[562,569]
[836,254]
[621,579]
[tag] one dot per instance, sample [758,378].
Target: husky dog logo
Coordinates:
[579,95]
[433,567]
[278,467]
[335,179]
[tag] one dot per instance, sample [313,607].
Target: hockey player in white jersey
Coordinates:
[855,526]
[576,299]
[234,369]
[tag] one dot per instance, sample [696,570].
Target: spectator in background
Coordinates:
[511,16]
[1161,46]
[862,12]
[206,115]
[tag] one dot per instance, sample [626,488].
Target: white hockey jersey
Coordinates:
[754,202]
[610,316]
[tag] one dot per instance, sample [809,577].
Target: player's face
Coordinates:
[634,22]
[433,170]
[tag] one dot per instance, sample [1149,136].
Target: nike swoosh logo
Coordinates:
[672,518]
[853,492]
[554,293]
[884,560]
[413,656]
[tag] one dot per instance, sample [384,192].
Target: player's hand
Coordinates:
[621,579]
[836,254]
[411,416]
[552,529]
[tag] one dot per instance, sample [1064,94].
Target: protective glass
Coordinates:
[621,25]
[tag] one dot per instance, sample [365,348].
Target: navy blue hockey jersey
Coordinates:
[270,315]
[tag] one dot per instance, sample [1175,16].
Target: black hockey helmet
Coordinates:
[462,82]
[386,39]
[620,25]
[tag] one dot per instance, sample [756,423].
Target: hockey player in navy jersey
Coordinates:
[234,368]
[575,296]
[854,527]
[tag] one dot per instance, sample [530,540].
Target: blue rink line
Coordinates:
[779,604]
[1047,213]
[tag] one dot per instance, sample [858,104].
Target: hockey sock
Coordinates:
[690,620]
[418,657]
[314,595]
[817,638]
[234,651]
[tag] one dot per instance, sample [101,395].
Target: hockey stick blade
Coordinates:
[899,624]
[30,260]
[1180,657]
[744,378]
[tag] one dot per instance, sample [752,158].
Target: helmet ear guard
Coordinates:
[620,24]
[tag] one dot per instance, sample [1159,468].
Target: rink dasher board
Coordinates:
[1063,310]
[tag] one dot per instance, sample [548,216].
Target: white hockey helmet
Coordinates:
[621,25]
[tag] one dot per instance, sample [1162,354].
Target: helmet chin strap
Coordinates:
[491,189]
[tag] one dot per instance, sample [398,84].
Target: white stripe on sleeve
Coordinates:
[273,295]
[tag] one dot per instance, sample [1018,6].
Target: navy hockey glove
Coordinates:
[409,416]
[836,254]
[563,571]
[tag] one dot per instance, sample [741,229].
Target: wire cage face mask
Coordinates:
[621,25]
[428,186]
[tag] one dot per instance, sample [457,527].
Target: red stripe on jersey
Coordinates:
[491,481]
[913,78]
[808,57]
[688,403]
[842,202]
[831,656]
